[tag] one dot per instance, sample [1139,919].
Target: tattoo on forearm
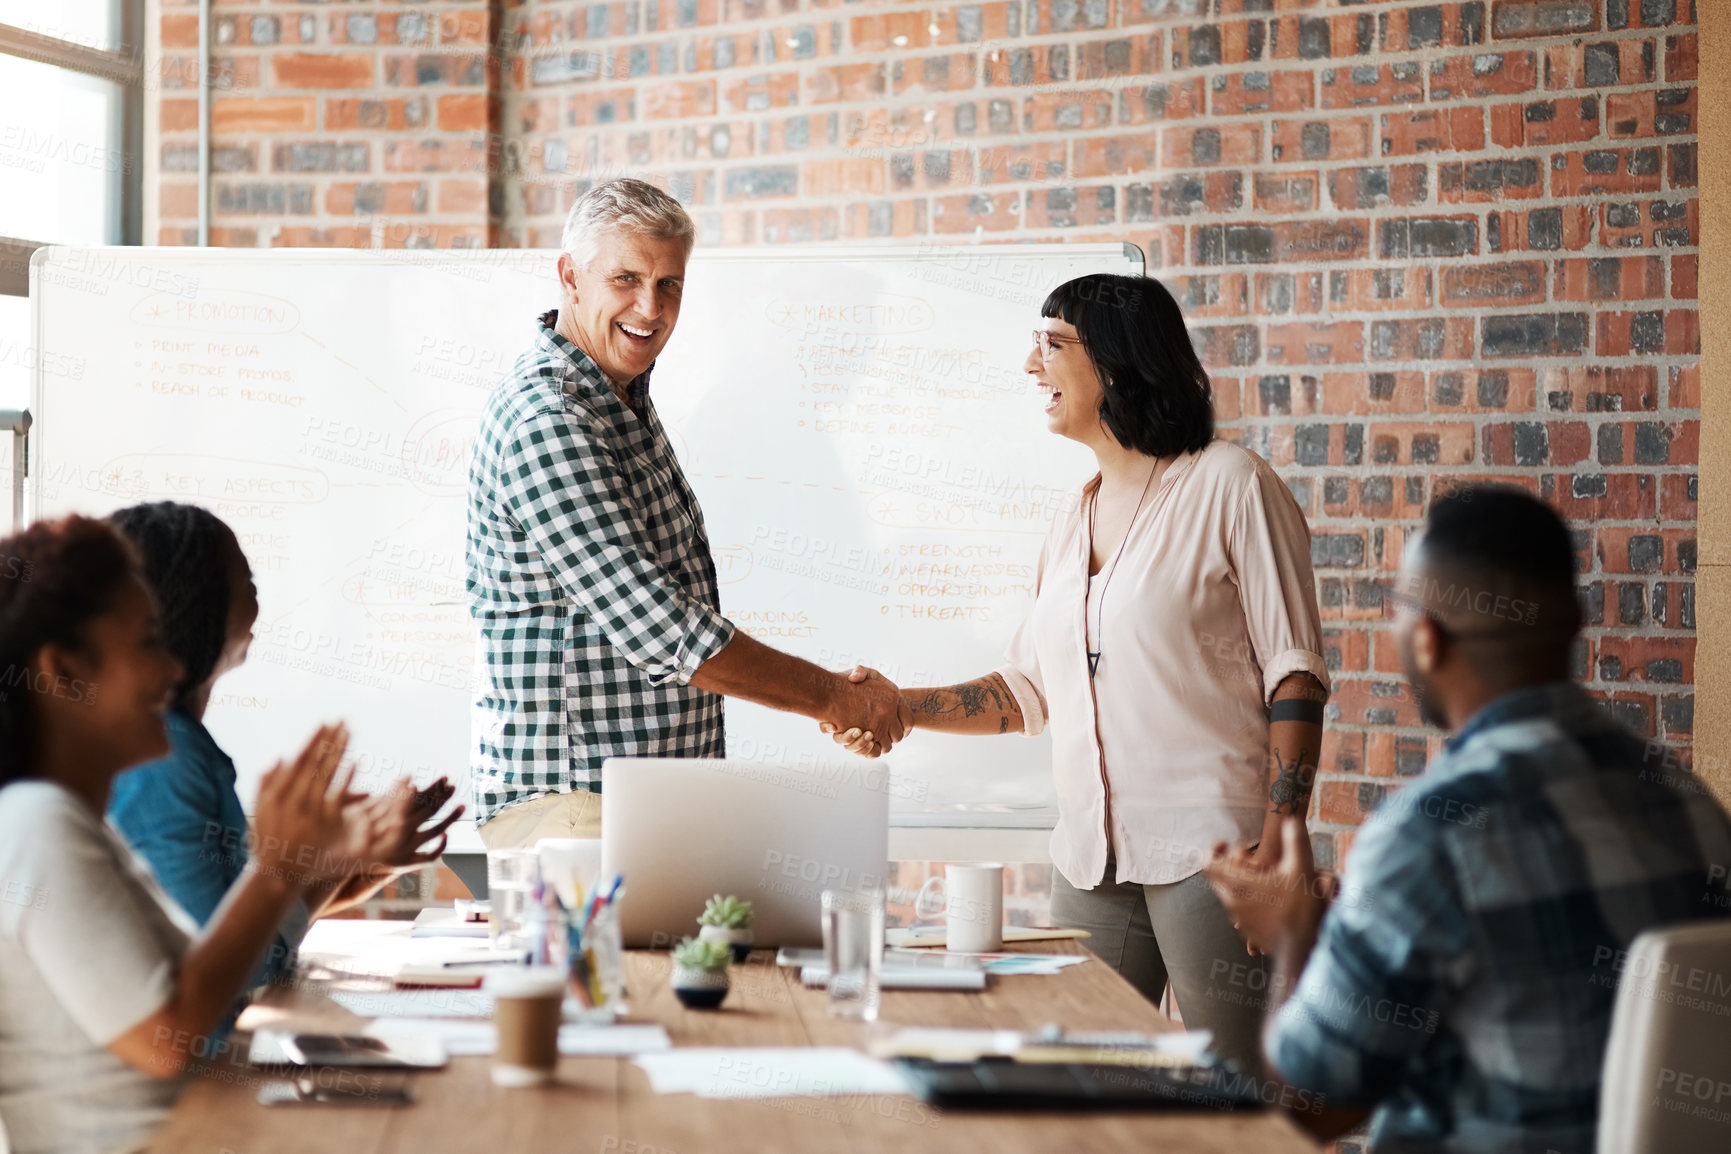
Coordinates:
[1290,793]
[931,703]
[986,696]
[973,697]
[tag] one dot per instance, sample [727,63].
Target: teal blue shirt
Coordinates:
[182,815]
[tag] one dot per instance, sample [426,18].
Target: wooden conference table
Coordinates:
[606,1104]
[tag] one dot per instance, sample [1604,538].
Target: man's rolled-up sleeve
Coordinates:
[570,498]
[1393,954]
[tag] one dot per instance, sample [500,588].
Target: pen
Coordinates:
[487,962]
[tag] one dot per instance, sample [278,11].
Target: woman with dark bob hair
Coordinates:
[1174,649]
[108,989]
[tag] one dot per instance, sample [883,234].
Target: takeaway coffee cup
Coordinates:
[526,1010]
[973,905]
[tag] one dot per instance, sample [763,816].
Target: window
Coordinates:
[71,109]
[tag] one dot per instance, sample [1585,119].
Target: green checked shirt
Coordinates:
[590,579]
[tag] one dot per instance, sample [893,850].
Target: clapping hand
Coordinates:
[880,720]
[301,818]
[1274,899]
[388,831]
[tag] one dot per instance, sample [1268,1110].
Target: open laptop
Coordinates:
[684,829]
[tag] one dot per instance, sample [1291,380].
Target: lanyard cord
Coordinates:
[1100,611]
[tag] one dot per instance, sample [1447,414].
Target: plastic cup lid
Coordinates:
[528,982]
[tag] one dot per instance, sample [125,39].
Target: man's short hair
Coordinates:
[1496,529]
[623,203]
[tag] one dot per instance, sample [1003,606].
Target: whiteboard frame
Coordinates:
[961,834]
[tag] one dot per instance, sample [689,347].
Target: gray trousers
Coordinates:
[1153,934]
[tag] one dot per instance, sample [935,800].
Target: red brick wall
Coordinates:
[365,125]
[1418,241]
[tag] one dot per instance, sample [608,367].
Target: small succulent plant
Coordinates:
[696,954]
[728,912]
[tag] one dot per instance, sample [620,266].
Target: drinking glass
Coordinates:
[853,950]
[512,875]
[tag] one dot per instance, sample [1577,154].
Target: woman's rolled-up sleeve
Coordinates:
[1270,545]
[1021,668]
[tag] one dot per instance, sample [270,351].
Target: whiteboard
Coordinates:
[872,464]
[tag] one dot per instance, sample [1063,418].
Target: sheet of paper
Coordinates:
[386,957]
[1191,1044]
[947,1045]
[439,922]
[462,1037]
[415,1003]
[1027,963]
[769,1072]
[1112,1048]
[446,1003]
[613,1040]
[459,1036]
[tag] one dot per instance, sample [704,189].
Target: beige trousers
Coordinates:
[1177,933]
[574,814]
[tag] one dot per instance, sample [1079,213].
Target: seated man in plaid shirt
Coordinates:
[590,575]
[1462,982]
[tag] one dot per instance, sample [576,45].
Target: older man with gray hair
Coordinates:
[589,571]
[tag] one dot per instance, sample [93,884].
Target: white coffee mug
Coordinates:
[973,905]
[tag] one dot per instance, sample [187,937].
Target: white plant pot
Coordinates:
[738,940]
[700,989]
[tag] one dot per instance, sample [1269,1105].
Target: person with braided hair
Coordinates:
[181,812]
[108,990]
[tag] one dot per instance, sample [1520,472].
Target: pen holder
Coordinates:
[597,962]
[608,949]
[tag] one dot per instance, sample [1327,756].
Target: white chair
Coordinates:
[1666,1082]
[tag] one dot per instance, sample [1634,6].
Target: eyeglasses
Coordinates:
[1045,341]
[1394,599]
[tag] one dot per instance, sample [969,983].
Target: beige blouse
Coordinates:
[1212,605]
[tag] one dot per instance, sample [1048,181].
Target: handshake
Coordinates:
[866,713]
